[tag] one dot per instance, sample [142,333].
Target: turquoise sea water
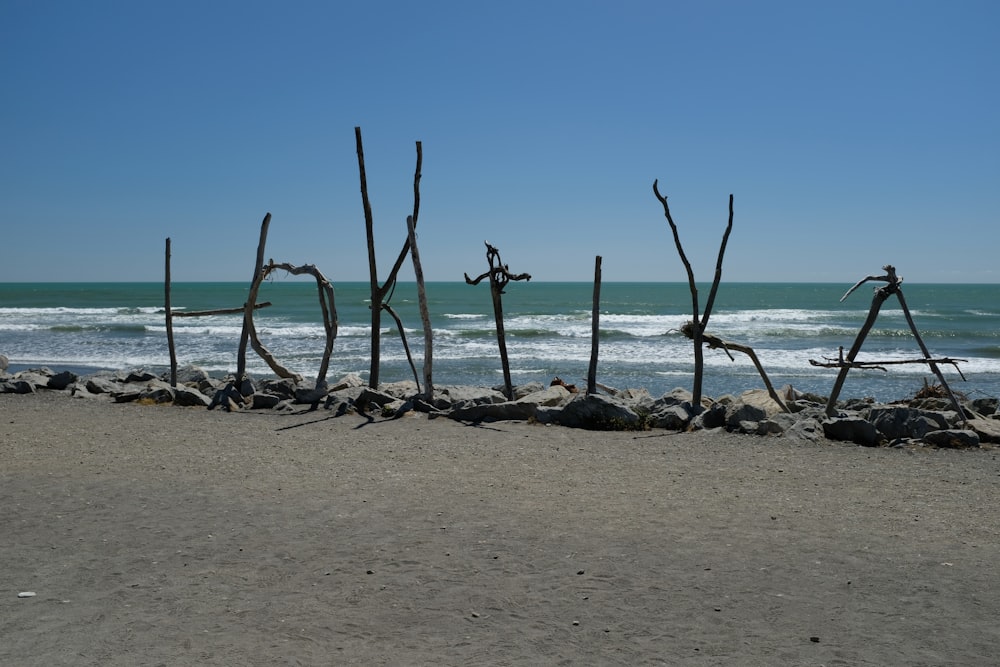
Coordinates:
[83,326]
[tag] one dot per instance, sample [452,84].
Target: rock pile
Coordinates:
[927,421]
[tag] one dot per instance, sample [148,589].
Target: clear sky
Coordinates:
[851,134]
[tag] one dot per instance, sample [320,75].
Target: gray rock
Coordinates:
[190,374]
[139,375]
[714,416]
[508,411]
[190,397]
[16,386]
[896,421]
[988,430]
[404,389]
[449,395]
[156,392]
[952,438]
[284,388]
[98,384]
[671,417]
[265,401]
[743,412]
[520,391]
[598,412]
[554,396]
[851,429]
[349,381]
[306,395]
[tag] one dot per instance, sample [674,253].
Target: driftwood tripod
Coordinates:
[893,286]
[499,275]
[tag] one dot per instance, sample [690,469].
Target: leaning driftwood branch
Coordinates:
[406,345]
[425,314]
[715,342]
[241,357]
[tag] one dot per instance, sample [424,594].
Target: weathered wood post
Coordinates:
[595,328]
[169,317]
[499,275]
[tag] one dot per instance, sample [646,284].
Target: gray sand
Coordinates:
[178,536]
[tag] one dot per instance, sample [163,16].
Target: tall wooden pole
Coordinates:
[170,317]
[595,325]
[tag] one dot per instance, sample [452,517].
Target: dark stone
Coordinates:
[952,438]
[599,413]
[851,429]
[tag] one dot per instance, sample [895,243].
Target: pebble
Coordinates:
[26,594]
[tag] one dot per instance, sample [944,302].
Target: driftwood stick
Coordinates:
[928,359]
[718,269]
[241,358]
[218,311]
[879,298]
[595,329]
[425,315]
[169,316]
[715,342]
[699,359]
[327,305]
[376,291]
[406,346]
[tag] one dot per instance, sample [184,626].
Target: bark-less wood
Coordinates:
[381,293]
[595,328]
[893,286]
[241,357]
[695,329]
[169,317]
[499,275]
[425,314]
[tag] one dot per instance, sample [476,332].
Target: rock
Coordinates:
[311,395]
[895,421]
[157,392]
[349,381]
[714,416]
[952,438]
[4,363]
[190,374]
[988,430]
[139,375]
[552,396]
[739,412]
[446,396]
[190,397]
[61,381]
[761,399]
[598,412]
[265,401]
[984,406]
[508,411]
[851,429]
[281,387]
[671,417]
[404,389]
[523,390]
[97,384]
[16,387]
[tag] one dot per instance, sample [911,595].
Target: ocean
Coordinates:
[89,326]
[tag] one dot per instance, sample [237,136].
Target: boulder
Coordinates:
[553,396]
[714,416]
[598,412]
[190,374]
[952,438]
[739,412]
[761,399]
[16,386]
[508,411]
[61,381]
[988,430]
[446,396]
[897,421]
[851,429]
[190,397]
[283,388]
[99,384]
[156,392]
[671,417]
[347,382]
[403,390]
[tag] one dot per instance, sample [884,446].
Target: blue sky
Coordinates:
[851,134]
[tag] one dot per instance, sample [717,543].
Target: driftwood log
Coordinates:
[499,275]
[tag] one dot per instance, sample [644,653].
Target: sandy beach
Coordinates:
[156,535]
